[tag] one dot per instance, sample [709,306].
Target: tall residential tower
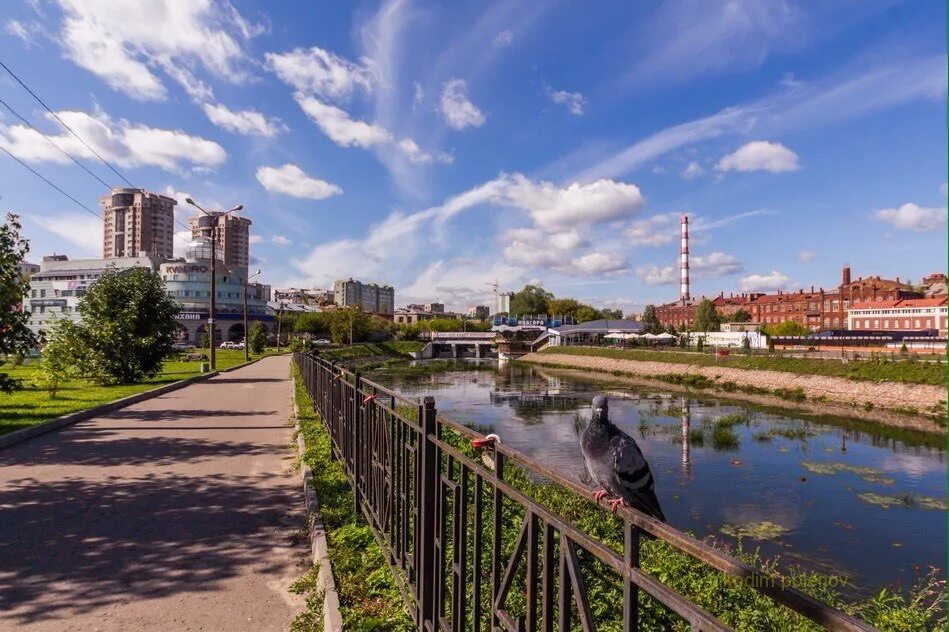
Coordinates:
[137,223]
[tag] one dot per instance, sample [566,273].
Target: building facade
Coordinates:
[481,312]
[371,297]
[188,281]
[233,237]
[56,289]
[137,223]
[913,314]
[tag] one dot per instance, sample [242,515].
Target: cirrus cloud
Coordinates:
[458,111]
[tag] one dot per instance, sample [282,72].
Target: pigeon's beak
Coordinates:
[598,411]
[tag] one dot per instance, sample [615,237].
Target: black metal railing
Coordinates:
[447,523]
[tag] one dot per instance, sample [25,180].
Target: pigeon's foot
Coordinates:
[600,494]
[616,503]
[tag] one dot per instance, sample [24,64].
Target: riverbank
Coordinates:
[897,404]
[365,356]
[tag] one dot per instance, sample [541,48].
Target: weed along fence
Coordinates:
[489,539]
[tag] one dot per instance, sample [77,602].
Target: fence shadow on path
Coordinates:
[71,546]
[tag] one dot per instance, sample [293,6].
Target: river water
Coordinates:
[827,494]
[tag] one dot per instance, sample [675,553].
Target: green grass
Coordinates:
[32,404]
[868,370]
[369,598]
[372,355]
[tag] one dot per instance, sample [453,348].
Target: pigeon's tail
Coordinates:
[645,500]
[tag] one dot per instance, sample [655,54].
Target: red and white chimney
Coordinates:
[684,261]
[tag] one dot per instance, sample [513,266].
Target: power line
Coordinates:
[50,140]
[47,181]
[56,116]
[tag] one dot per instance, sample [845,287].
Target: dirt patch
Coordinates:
[824,394]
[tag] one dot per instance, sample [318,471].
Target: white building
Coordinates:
[56,289]
[904,315]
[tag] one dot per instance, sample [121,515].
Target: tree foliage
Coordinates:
[350,324]
[787,328]
[741,316]
[531,300]
[257,337]
[651,320]
[15,337]
[128,327]
[707,317]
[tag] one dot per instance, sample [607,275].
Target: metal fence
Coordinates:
[470,550]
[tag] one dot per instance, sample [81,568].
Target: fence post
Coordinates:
[428,506]
[357,443]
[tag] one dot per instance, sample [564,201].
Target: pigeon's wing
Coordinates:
[633,478]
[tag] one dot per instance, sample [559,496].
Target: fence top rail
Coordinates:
[828,616]
[388,392]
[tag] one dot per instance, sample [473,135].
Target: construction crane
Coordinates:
[497,286]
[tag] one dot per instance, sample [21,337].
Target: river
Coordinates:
[827,494]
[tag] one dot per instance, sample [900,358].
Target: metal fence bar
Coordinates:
[426,502]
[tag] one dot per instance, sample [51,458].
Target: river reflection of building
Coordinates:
[686,428]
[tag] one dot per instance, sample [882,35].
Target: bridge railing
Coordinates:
[472,550]
[457,335]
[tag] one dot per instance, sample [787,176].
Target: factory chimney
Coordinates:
[684,261]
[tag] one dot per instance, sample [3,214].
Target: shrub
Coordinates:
[257,337]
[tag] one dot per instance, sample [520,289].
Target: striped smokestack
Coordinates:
[684,261]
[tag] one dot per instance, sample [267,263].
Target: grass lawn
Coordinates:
[32,404]
[870,370]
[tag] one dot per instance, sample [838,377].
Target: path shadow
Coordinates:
[71,447]
[172,414]
[248,380]
[72,546]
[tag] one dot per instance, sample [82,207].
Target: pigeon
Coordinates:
[617,464]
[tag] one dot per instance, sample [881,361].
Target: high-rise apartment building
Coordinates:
[137,223]
[233,237]
[378,299]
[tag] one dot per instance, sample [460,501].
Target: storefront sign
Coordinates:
[187,269]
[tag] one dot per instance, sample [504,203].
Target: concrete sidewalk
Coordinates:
[177,513]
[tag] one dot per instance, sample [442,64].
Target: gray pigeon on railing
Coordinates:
[617,464]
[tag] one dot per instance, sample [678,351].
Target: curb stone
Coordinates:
[332,619]
[18,436]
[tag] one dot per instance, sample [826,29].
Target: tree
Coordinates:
[349,324]
[15,337]
[651,320]
[741,316]
[612,314]
[564,307]
[706,317]
[128,327]
[257,337]
[316,323]
[787,328]
[586,313]
[531,300]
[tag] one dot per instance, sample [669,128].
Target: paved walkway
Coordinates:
[177,513]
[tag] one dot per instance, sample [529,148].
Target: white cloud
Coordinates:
[245,122]
[657,230]
[122,142]
[576,204]
[764,282]
[760,156]
[573,101]
[79,229]
[913,217]
[280,240]
[418,95]
[24,31]
[415,154]
[458,111]
[503,38]
[693,170]
[806,256]
[713,265]
[291,180]
[600,263]
[256,239]
[558,251]
[124,41]
[944,188]
[321,72]
[340,127]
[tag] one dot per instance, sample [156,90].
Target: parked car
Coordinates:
[322,342]
[182,345]
[227,344]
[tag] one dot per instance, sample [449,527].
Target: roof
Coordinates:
[933,301]
[603,325]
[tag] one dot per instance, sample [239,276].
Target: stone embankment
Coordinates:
[888,395]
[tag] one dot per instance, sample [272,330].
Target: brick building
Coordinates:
[681,314]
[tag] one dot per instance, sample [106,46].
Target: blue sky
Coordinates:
[441,146]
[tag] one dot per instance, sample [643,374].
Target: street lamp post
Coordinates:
[279,325]
[213,239]
[246,336]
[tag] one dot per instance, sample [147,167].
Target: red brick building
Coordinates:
[681,315]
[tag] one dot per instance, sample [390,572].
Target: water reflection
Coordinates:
[826,493]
